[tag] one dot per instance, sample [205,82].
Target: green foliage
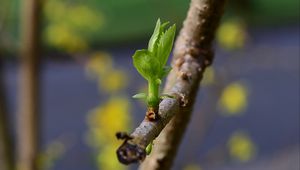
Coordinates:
[140,96]
[149,148]
[146,64]
[151,62]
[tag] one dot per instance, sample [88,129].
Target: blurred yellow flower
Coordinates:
[114,81]
[209,76]
[110,117]
[99,64]
[107,159]
[104,122]
[241,147]
[71,25]
[54,151]
[84,18]
[231,35]
[62,37]
[192,167]
[100,67]
[233,99]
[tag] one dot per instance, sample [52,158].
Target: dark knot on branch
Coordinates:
[130,153]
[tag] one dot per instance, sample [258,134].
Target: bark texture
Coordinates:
[28,114]
[192,54]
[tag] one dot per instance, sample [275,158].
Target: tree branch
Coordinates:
[28,117]
[192,54]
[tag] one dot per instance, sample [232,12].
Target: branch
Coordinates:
[167,143]
[192,54]
[198,31]
[28,116]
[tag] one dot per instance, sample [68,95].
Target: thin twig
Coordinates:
[192,54]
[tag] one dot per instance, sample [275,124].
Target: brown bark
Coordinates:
[28,117]
[6,146]
[192,54]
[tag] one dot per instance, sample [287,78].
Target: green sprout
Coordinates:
[151,62]
[149,148]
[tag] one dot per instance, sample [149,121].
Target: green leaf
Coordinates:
[162,27]
[155,36]
[165,45]
[140,96]
[158,81]
[166,70]
[149,148]
[146,64]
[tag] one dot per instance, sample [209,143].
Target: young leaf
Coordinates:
[166,70]
[149,148]
[162,27]
[155,36]
[158,81]
[165,45]
[151,63]
[146,64]
[140,96]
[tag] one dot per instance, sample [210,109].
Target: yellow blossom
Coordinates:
[109,117]
[113,116]
[231,35]
[114,81]
[69,28]
[241,147]
[107,159]
[233,100]
[99,64]
[104,121]
[100,67]
[192,167]
[61,36]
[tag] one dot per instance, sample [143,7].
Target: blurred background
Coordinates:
[247,113]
